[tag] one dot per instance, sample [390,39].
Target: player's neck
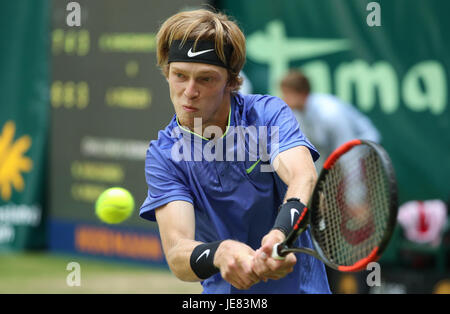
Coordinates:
[215,127]
[221,121]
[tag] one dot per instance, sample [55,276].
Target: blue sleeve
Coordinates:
[164,184]
[279,117]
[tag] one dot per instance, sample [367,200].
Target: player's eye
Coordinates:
[178,75]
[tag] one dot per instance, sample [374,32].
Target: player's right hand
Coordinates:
[235,261]
[268,268]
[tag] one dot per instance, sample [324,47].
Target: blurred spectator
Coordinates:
[423,221]
[326,121]
[246,87]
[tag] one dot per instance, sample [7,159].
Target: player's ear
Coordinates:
[231,83]
[234,81]
[230,87]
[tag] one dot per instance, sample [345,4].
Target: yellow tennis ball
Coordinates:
[114,205]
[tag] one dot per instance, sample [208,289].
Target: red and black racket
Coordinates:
[352,211]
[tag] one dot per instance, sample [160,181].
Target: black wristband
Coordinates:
[288,214]
[202,259]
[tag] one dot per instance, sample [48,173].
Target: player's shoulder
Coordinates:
[259,101]
[162,146]
[258,107]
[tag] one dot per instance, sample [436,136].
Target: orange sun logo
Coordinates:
[12,160]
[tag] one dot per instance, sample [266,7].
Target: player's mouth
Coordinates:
[190,109]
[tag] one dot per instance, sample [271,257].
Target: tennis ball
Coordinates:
[114,205]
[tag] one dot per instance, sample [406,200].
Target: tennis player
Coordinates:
[230,173]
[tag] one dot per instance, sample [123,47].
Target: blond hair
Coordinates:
[203,25]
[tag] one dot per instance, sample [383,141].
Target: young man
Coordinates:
[215,202]
[324,119]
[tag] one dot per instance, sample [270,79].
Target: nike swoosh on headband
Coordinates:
[194,54]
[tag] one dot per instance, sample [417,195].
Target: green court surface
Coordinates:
[47,273]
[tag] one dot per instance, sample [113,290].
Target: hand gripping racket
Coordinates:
[352,211]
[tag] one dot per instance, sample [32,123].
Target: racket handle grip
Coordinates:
[276,251]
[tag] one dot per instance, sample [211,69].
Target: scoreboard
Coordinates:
[108,101]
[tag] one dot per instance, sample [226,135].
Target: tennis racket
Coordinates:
[352,211]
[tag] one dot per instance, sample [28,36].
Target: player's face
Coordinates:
[293,99]
[199,90]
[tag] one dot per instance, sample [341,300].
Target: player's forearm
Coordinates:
[176,222]
[178,258]
[296,168]
[301,185]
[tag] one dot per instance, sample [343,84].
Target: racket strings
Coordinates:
[353,207]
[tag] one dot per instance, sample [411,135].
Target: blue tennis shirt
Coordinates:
[231,186]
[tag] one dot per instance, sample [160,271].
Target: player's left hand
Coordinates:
[265,266]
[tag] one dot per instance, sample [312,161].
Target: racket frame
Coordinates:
[282,249]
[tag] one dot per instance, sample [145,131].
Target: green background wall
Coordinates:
[396,73]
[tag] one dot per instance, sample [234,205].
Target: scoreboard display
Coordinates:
[108,100]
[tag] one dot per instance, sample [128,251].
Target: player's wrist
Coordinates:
[202,259]
[293,199]
[288,214]
[221,252]
[278,234]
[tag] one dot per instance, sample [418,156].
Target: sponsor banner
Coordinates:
[24,120]
[106,241]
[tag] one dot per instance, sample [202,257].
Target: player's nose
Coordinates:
[191,90]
